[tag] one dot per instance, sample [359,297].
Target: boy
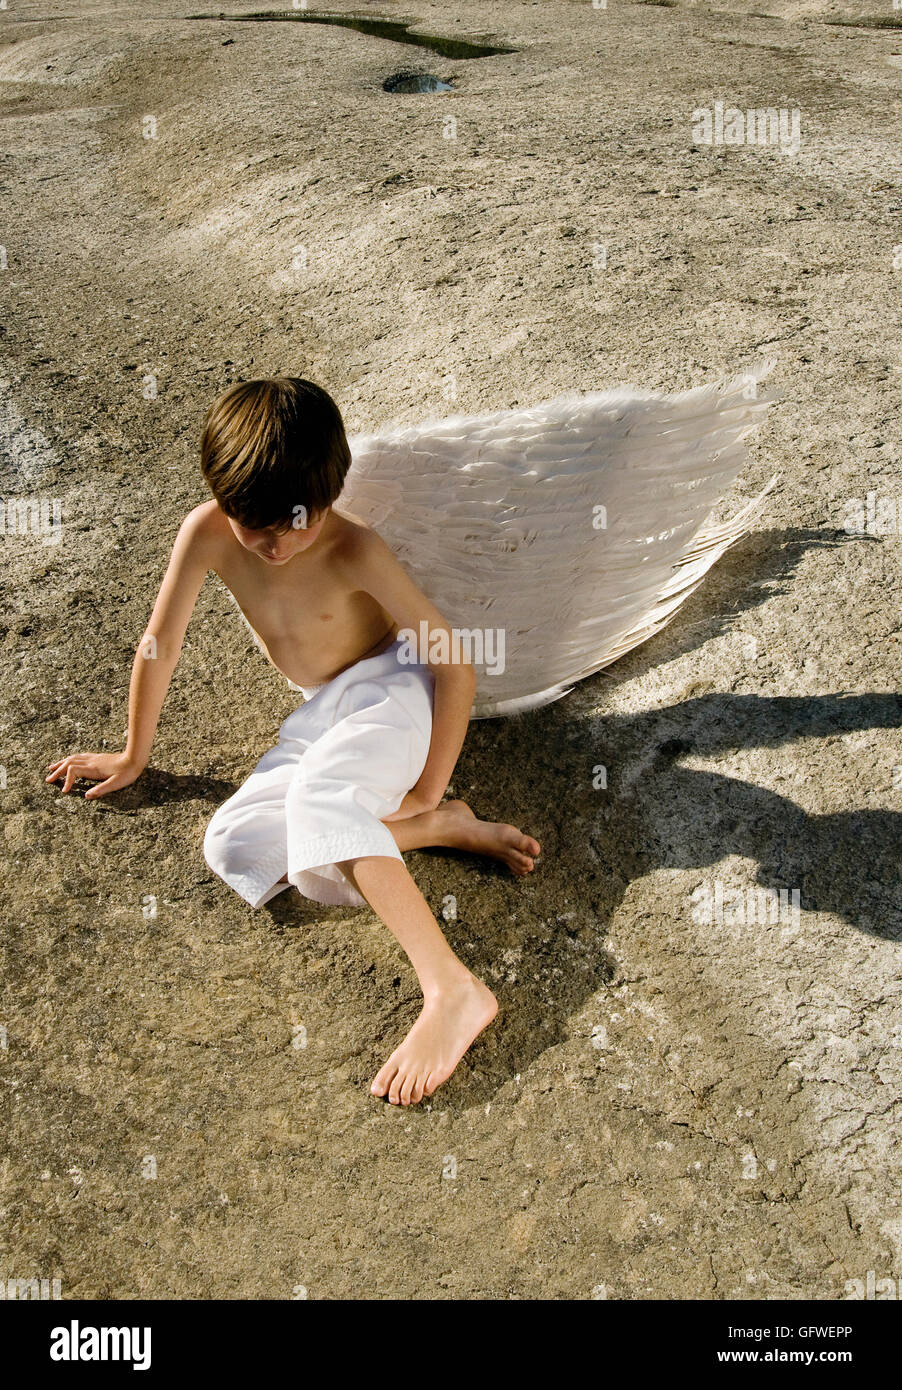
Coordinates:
[361,767]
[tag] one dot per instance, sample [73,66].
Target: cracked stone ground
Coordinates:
[668,1106]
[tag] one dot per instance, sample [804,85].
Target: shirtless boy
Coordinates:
[360,770]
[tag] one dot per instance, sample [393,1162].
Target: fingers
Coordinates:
[101,768]
[70,769]
[59,769]
[102,788]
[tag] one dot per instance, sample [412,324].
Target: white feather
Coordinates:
[494,517]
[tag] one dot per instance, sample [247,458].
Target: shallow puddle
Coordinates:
[868,22]
[407,83]
[377,28]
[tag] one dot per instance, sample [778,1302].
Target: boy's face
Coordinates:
[278,545]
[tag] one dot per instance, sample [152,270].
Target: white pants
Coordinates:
[345,759]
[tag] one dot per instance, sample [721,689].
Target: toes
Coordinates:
[400,1087]
[400,1084]
[384,1077]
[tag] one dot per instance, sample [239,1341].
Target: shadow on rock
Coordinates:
[156,788]
[548,934]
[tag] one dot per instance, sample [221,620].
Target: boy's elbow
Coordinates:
[460,674]
[464,676]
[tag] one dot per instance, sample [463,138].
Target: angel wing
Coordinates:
[570,532]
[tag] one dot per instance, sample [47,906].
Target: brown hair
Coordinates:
[272,446]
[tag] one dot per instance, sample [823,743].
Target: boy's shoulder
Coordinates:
[205,533]
[355,541]
[205,522]
[205,519]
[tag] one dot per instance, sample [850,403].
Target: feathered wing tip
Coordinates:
[745,386]
[710,543]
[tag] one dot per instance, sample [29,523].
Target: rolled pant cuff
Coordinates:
[261,883]
[324,853]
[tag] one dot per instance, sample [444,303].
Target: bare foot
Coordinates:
[449,1022]
[461,829]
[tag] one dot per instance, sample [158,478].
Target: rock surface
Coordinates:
[665,1108]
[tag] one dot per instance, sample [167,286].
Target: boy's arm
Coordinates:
[455,683]
[155,660]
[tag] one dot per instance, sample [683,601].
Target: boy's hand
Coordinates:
[111,770]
